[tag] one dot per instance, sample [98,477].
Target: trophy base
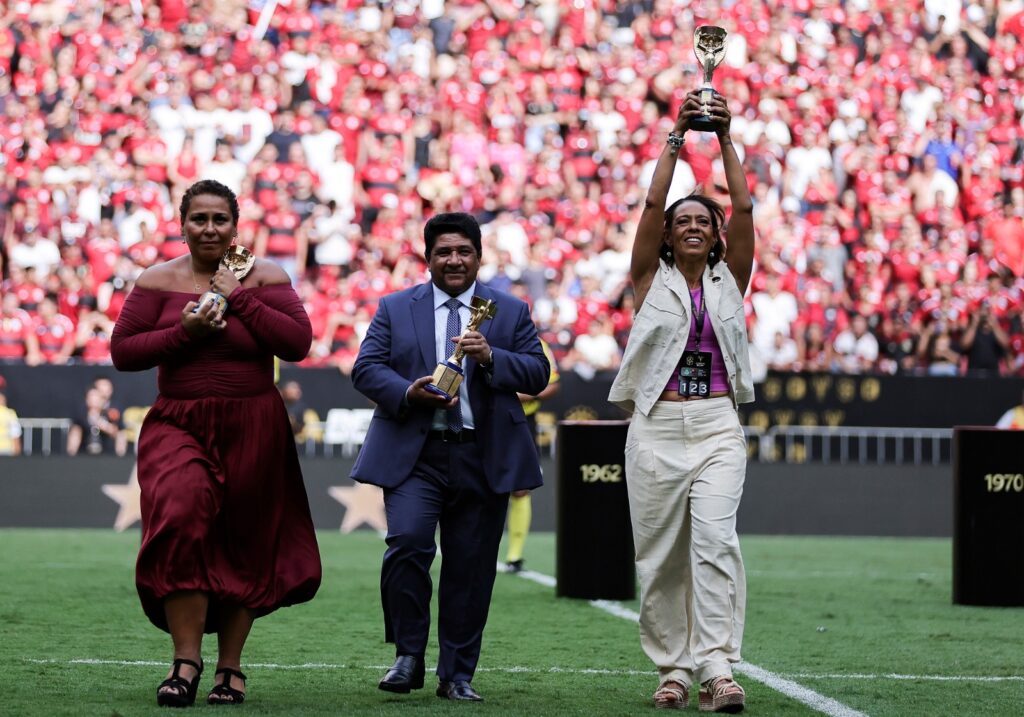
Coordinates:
[434,389]
[446,381]
[704,124]
[212,297]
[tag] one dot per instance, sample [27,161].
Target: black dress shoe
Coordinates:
[458,690]
[405,675]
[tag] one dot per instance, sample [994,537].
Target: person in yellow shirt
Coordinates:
[10,427]
[520,509]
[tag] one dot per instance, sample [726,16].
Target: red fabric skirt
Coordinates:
[224,508]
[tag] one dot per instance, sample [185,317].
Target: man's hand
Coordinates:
[475,346]
[418,395]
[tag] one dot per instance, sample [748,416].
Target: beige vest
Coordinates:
[661,328]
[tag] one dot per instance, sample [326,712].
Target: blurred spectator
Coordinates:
[775,310]
[856,348]
[34,251]
[96,429]
[55,333]
[596,350]
[92,339]
[224,168]
[984,342]
[783,354]
[936,351]
[814,351]
[18,340]
[291,393]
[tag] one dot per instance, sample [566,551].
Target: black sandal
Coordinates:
[224,693]
[184,694]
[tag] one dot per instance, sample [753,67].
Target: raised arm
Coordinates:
[650,229]
[739,236]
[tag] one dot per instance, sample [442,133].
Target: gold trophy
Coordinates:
[239,261]
[709,47]
[449,374]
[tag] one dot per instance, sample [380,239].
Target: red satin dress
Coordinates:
[224,508]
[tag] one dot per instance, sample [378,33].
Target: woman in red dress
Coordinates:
[226,530]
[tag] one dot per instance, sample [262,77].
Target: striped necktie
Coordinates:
[454,328]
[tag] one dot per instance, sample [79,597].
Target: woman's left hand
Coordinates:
[224,282]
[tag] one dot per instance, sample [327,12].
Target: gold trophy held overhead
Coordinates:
[449,374]
[709,47]
[239,261]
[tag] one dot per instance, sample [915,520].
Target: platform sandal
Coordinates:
[180,692]
[224,693]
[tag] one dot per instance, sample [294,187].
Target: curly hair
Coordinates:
[455,223]
[208,186]
[717,227]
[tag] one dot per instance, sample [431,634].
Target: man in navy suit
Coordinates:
[448,462]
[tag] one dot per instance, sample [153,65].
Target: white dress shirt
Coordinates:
[443,347]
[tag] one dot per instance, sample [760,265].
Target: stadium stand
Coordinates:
[883,141]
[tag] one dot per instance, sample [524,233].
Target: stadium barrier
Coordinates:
[344,431]
[41,432]
[862,445]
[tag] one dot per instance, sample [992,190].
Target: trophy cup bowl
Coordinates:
[449,374]
[239,261]
[709,47]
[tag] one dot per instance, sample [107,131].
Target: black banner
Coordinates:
[778,498]
[782,399]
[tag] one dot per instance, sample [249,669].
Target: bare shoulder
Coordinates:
[161,276]
[265,273]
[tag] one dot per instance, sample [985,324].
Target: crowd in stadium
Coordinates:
[883,140]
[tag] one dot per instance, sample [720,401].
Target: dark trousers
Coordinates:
[447,488]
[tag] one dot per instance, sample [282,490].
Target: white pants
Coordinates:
[685,466]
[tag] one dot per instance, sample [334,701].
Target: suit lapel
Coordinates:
[423,324]
[468,364]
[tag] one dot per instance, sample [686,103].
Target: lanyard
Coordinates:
[699,316]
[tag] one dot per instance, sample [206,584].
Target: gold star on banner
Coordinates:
[363,504]
[127,497]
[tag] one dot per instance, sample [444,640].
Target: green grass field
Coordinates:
[866,622]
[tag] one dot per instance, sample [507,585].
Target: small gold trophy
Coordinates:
[240,261]
[449,374]
[709,47]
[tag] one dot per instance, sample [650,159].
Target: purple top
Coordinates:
[708,342]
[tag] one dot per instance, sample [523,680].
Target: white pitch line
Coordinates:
[809,697]
[910,678]
[542,671]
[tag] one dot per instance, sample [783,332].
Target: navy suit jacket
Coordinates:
[399,348]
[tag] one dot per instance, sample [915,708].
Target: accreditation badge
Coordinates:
[695,374]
